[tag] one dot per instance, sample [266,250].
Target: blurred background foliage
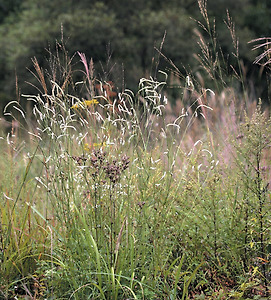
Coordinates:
[121,37]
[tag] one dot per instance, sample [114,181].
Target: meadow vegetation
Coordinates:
[137,197]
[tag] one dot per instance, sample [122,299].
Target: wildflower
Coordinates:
[88,147]
[99,144]
[85,104]
[114,170]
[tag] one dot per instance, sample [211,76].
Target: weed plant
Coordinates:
[132,198]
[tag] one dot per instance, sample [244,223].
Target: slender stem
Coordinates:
[260,210]
[95,212]
[246,231]
[111,225]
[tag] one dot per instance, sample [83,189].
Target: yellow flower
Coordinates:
[99,144]
[85,104]
[88,147]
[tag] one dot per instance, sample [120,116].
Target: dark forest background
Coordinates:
[121,37]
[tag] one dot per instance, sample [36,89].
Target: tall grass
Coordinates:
[132,197]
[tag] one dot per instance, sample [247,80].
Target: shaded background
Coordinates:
[121,37]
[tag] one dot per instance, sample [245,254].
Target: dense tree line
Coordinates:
[120,35]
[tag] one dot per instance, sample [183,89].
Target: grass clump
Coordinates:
[105,194]
[125,196]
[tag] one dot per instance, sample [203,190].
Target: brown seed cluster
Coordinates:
[114,170]
[99,162]
[80,160]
